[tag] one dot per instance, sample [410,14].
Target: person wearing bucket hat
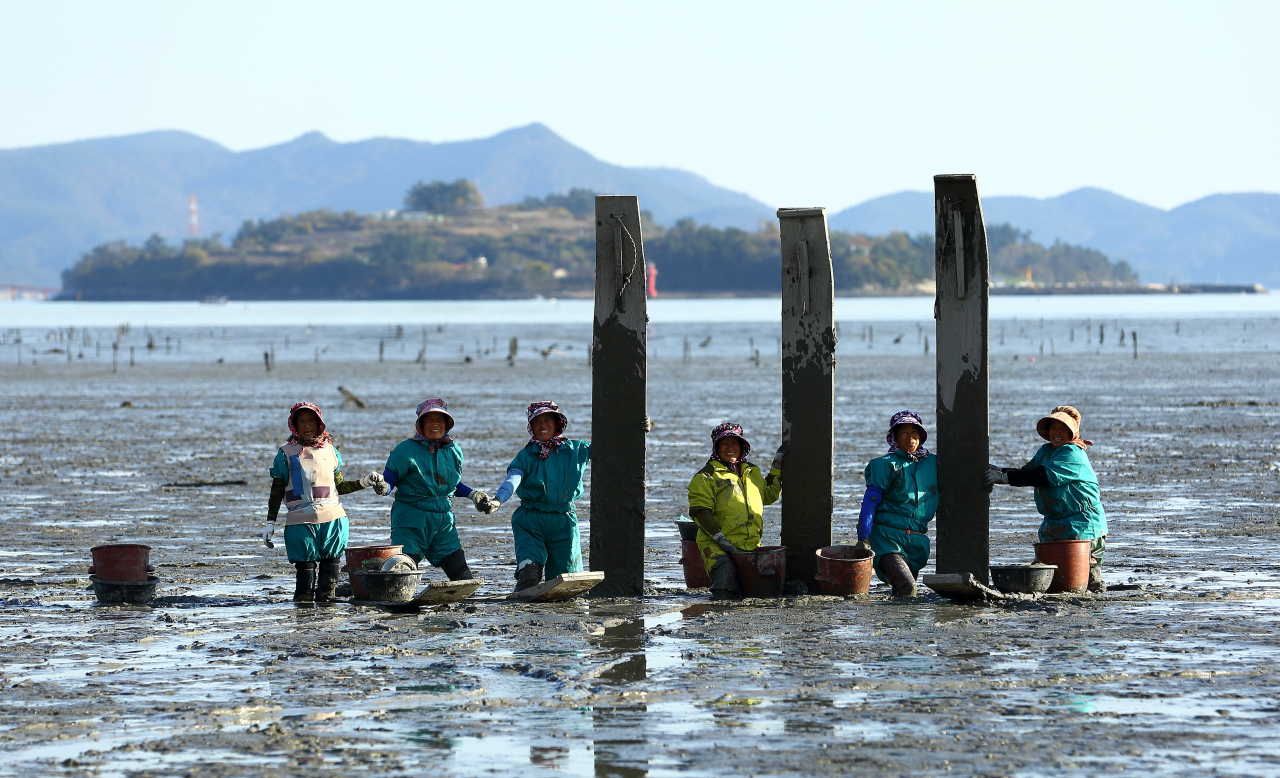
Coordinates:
[726,500]
[307,476]
[1066,488]
[547,477]
[900,500]
[426,473]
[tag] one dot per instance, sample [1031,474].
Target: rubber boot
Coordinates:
[724,579]
[529,575]
[1096,584]
[899,575]
[304,588]
[455,566]
[327,582]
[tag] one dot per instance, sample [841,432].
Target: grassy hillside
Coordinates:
[541,246]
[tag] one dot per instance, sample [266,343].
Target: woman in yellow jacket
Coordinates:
[726,500]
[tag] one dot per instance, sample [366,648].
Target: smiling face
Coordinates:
[907,437]
[544,426]
[729,449]
[1059,434]
[434,425]
[307,423]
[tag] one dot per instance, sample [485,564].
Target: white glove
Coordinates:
[648,424]
[777,457]
[375,479]
[268,533]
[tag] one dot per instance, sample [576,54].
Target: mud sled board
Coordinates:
[962,587]
[435,593]
[442,592]
[562,587]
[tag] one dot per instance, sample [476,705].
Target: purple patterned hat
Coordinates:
[906,417]
[433,405]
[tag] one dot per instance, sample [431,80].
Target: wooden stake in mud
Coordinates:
[808,388]
[961,310]
[619,371]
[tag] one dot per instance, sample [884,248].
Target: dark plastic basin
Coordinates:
[1023,579]
[388,587]
[125,592]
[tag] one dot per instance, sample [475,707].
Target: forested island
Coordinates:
[446,245]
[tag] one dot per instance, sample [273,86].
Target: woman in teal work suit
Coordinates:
[1066,488]
[900,501]
[426,473]
[547,477]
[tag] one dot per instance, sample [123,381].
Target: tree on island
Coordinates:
[454,199]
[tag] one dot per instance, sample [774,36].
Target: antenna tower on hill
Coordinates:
[194,224]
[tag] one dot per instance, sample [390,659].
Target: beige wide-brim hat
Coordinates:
[1063,413]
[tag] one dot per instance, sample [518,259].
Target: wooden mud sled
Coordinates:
[559,589]
[434,593]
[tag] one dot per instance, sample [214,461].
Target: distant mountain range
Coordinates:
[56,202]
[1227,238]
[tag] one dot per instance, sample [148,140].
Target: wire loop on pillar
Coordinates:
[619,304]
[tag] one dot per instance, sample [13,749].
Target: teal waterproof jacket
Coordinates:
[910,490]
[1072,503]
[551,484]
[426,481]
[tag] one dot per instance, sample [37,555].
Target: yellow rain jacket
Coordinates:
[732,503]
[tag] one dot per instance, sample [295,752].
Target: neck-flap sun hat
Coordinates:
[1063,413]
[322,437]
[725,430]
[433,405]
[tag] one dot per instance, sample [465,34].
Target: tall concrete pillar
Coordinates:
[961,310]
[619,371]
[808,388]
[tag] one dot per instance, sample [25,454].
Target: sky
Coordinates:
[796,104]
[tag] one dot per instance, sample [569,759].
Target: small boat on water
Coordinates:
[211,300]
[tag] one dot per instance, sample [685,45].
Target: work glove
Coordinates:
[776,464]
[862,548]
[375,479]
[648,425]
[483,502]
[994,475]
[268,533]
[724,544]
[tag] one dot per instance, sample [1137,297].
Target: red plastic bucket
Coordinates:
[1072,558]
[357,555]
[761,571]
[120,562]
[842,572]
[695,570]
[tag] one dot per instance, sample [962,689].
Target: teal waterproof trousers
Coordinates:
[549,538]
[913,546]
[430,535]
[313,542]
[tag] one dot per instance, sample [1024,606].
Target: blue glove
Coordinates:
[870,501]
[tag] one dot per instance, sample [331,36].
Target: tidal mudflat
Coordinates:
[1175,671]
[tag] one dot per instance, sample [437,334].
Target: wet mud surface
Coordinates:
[1176,674]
